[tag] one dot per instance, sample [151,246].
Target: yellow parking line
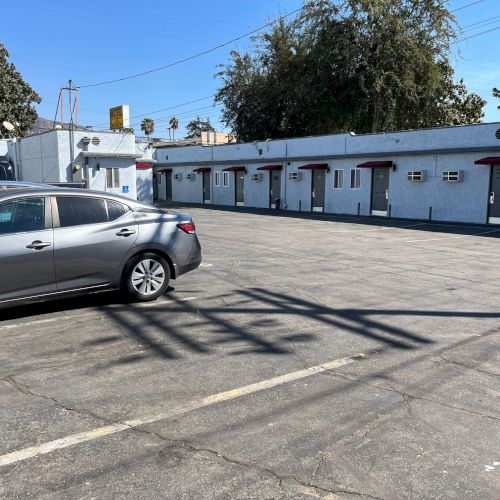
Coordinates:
[82,437]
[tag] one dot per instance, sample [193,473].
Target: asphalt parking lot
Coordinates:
[307,358]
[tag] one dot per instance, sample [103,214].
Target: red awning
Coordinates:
[375,164]
[164,170]
[315,166]
[234,169]
[202,169]
[489,160]
[271,167]
[139,165]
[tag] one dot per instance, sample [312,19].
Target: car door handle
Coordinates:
[125,232]
[38,245]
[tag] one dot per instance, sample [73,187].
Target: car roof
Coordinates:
[20,184]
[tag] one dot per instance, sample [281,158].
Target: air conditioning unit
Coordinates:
[453,176]
[257,177]
[178,177]
[417,175]
[294,176]
[190,177]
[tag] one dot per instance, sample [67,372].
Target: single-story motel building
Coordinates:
[443,174]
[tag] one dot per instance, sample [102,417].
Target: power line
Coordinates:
[163,109]
[244,36]
[477,34]
[473,26]
[189,58]
[468,5]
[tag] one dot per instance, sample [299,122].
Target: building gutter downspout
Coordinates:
[285,204]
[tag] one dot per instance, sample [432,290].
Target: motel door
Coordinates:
[494,199]
[240,188]
[318,190]
[207,191]
[168,186]
[380,191]
[274,188]
[155,186]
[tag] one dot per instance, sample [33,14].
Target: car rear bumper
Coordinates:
[193,260]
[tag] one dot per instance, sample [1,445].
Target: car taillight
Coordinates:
[187,227]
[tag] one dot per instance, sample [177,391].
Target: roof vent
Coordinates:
[497,134]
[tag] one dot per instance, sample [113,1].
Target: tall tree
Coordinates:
[16,98]
[496,93]
[197,126]
[360,65]
[174,125]
[148,126]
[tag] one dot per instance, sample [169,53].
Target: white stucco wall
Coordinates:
[434,150]
[4,147]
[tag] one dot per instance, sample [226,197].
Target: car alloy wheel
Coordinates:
[148,277]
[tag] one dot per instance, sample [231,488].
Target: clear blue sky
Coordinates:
[52,41]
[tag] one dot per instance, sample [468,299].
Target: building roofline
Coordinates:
[338,134]
[381,154]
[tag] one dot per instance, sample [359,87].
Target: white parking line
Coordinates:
[58,444]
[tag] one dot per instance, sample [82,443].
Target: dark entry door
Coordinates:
[207,192]
[155,186]
[318,190]
[275,188]
[380,191]
[168,186]
[494,199]
[240,188]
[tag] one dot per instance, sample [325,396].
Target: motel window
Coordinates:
[338,179]
[217,179]
[112,178]
[226,179]
[355,178]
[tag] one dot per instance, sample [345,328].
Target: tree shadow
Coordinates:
[259,321]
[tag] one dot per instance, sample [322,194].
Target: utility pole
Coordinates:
[71,129]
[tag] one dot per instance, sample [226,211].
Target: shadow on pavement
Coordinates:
[459,228]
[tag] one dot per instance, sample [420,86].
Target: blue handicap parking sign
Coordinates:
[125,189]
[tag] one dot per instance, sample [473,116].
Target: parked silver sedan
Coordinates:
[59,241]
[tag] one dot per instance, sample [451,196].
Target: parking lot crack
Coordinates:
[282,479]
[468,367]
[24,389]
[406,395]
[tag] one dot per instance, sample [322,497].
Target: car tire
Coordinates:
[146,277]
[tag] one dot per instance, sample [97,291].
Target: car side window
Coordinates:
[79,211]
[23,215]
[115,210]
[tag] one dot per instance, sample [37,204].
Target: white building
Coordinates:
[105,161]
[446,174]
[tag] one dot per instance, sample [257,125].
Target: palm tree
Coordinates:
[148,126]
[174,125]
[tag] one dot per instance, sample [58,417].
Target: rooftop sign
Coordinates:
[119,117]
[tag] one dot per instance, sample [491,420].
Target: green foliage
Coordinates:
[16,98]
[352,65]
[197,126]
[496,93]
[174,125]
[148,126]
